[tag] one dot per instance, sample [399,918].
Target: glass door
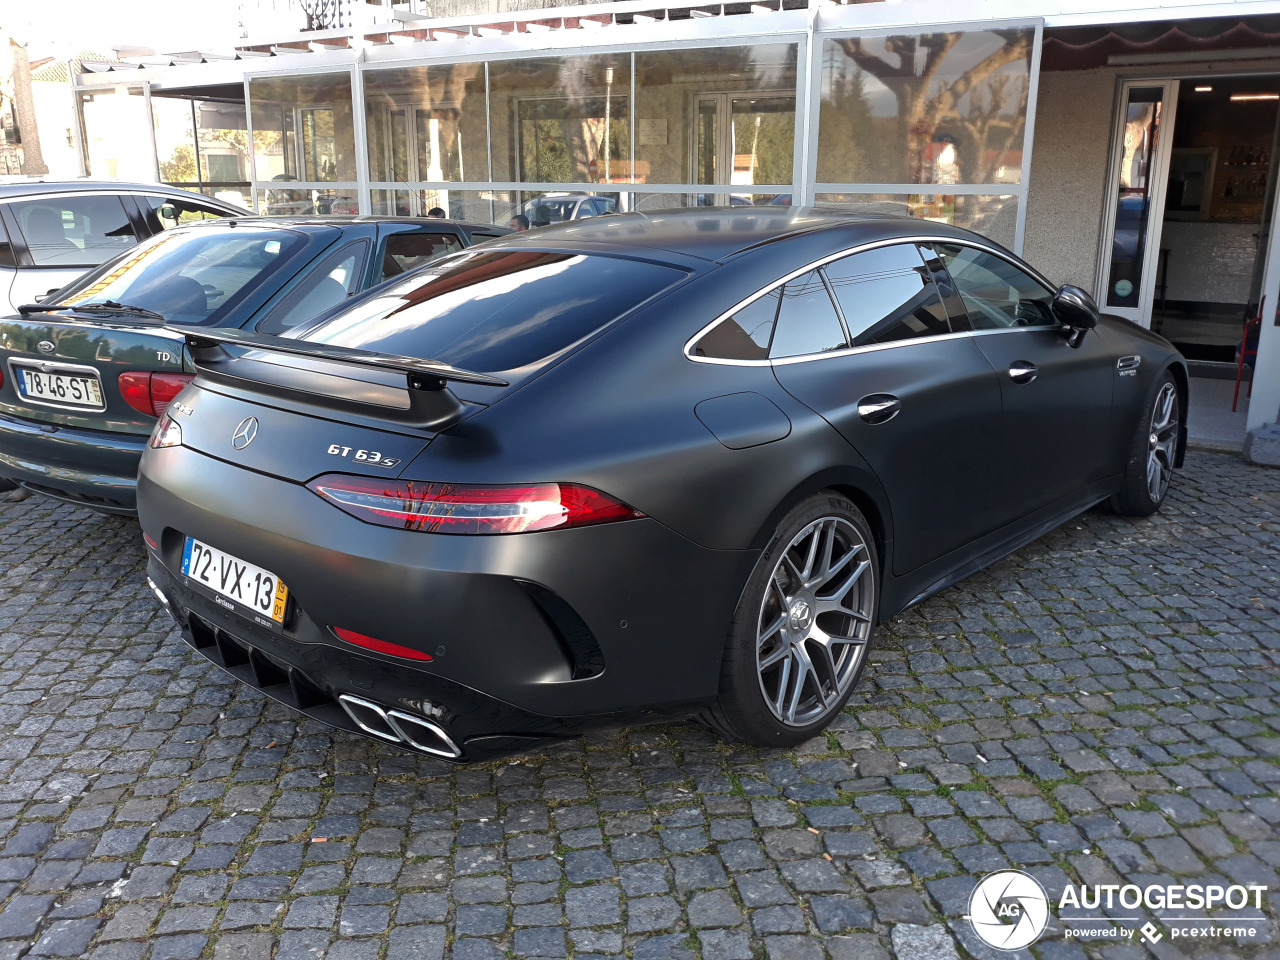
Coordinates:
[708,149]
[742,141]
[1139,174]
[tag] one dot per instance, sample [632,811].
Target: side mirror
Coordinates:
[167,211]
[1075,308]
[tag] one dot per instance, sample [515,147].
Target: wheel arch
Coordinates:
[856,485]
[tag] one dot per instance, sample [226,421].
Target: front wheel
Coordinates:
[1151,457]
[800,634]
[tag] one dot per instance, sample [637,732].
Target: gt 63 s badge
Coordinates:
[371,457]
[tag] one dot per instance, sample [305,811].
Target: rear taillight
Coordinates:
[151,393]
[167,433]
[381,646]
[470,508]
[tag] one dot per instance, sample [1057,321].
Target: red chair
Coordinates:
[1246,352]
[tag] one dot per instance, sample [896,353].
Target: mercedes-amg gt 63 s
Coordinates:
[636,467]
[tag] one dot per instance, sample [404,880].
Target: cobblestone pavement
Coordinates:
[1100,707]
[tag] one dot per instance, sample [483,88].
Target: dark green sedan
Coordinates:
[85,373]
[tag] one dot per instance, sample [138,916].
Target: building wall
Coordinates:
[1069,174]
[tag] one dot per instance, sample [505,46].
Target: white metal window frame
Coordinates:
[360,186]
[1169,87]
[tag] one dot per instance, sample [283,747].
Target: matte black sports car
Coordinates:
[637,467]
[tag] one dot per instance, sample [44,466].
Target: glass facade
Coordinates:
[936,108]
[857,122]
[562,120]
[723,116]
[994,216]
[114,122]
[426,124]
[304,144]
[203,146]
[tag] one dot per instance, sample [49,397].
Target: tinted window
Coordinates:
[996,294]
[405,251]
[325,286]
[496,310]
[746,334]
[807,320]
[189,276]
[164,213]
[73,231]
[886,294]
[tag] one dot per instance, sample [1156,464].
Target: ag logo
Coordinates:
[1009,910]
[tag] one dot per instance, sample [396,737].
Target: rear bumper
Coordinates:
[311,677]
[533,635]
[93,468]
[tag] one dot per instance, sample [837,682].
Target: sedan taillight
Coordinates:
[470,508]
[151,393]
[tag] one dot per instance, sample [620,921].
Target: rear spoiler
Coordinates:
[422,374]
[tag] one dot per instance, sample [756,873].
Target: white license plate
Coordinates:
[60,388]
[251,590]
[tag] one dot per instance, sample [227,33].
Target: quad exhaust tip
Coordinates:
[396,726]
[164,601]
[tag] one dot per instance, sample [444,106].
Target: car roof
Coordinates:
[337,220]
[718,233]
[27,186]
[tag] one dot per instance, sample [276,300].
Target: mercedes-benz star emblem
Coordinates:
[245,432]
[45,346]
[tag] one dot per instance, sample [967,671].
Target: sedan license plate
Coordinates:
[59,387]
[236,584]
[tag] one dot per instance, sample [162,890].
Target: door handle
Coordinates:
[879,407]
[1020,371]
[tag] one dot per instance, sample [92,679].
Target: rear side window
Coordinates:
[496,310]
[73,231]
[807,320]
[745,335]
[335,278]
[407,251]
[887,294]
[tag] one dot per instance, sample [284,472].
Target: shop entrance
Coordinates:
[1194,176]
[742,139]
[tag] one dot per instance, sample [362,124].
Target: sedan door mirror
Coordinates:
[1075,308]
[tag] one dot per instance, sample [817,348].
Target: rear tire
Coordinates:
[7,485]
[1149,469]
[799,638]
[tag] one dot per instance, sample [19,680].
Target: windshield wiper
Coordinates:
[104,306]
[111,306]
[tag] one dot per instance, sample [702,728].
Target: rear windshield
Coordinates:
[188,276]
[496,310]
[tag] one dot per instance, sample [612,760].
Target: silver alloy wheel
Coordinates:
[1162,443]
[815,620]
